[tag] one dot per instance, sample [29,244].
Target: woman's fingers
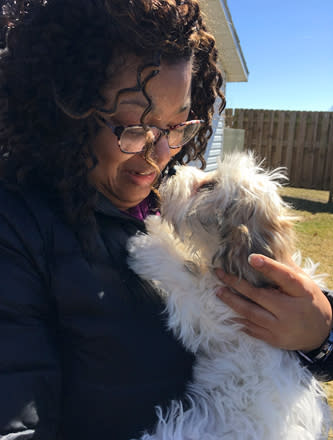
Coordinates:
[285,277]
[254,307]
[296,315]
[266,298]
[256,331]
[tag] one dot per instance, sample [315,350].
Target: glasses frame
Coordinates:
[118,130]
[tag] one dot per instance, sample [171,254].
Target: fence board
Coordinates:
[329,162]
[319,135]
[270,138]
[279,139]
[290,142]
[322,144]
[300,141]
[260,131]
[251,121]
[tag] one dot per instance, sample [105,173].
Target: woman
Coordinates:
[101,98]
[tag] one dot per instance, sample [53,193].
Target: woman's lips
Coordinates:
[142,177]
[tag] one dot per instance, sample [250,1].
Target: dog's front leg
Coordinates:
[160,258]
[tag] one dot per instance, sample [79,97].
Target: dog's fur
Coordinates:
[243,389]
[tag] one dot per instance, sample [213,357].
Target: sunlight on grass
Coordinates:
[315,227]
[315,240]
[306,194]
[329,390]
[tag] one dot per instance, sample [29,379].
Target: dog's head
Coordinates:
[230,213]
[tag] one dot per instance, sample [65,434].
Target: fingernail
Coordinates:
[256,260]
[220,273]
[222,292]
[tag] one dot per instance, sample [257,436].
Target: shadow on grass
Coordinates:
[308,205]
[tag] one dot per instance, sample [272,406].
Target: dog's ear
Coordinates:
[251,216]
[253,229]
[235,247]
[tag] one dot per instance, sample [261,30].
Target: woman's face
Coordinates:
[126,179]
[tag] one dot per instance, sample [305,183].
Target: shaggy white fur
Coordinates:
[243,389]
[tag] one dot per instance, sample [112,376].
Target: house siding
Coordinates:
[215,144]
[214,149]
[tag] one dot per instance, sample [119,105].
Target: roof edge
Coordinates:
[220,24]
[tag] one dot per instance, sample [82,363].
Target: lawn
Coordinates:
[314,231]
[315,226]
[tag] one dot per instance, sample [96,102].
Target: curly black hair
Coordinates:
[53,68]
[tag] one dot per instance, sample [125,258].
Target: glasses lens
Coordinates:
[133,139]
[179,136]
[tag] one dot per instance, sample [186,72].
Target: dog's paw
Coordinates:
[139,248]
[149,255]
[156,255]
[155,225]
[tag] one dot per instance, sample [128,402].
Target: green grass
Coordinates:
[314,231]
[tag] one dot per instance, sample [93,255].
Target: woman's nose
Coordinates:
[161,151]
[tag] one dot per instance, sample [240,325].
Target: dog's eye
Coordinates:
[207,186]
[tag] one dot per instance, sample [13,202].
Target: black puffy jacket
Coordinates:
[84,351]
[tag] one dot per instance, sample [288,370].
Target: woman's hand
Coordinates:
[294,316]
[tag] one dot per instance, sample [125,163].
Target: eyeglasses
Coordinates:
[132,139]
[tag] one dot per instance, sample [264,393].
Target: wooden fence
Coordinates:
[300,141]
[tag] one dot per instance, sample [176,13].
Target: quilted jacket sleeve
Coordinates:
[30,383]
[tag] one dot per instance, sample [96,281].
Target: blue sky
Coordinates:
[288,47]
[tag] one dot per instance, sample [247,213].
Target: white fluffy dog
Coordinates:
[243,389]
